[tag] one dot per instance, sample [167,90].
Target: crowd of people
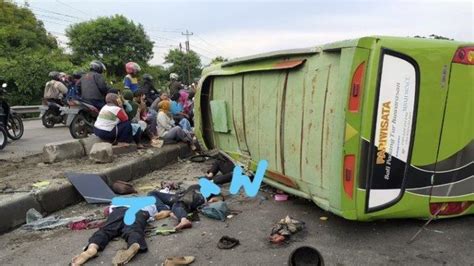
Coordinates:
[139,113]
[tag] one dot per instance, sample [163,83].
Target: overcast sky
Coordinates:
[239,28]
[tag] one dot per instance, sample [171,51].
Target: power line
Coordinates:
[55,18]
[56,13]
[208,43]
[64,4]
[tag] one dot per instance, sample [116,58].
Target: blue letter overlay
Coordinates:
[134,204]
[241,180]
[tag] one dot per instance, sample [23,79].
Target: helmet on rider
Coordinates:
[77,74]
[97,66]
[132,68]
[54,75]
[147,77]
[174,76]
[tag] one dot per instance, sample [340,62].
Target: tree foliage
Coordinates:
[218,60]
[113,40]
[21,33]
[27,54]
[181,61]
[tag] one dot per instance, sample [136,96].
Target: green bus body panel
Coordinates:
[296,117]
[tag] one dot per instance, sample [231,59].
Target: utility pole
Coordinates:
[187,34]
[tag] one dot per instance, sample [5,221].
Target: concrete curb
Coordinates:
[57,197]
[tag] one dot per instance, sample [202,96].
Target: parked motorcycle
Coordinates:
[11,125]
[53,113]
[81,117]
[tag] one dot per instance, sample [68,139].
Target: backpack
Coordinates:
[216,210]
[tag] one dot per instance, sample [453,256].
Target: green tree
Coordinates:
[27,54]
[113,40]
[218,60]
[21,32]
[183,64]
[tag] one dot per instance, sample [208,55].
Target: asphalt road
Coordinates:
[33,140]
[341,242]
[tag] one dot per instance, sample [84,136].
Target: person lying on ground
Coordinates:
[112,124]
[225,167]
[115,226]
[180,205]
[166,128]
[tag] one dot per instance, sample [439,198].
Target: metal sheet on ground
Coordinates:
[91,187]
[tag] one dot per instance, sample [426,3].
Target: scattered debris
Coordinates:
[284,229]
[323,218]
[227,242]
[281,197]
[35,221]
[171,185]
[41,184]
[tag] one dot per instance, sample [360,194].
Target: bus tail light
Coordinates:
[449,208]
[464,55]
[348,175]
[356,88]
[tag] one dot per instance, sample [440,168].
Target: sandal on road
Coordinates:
[174,261]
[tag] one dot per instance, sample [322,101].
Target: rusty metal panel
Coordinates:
[237,112]
[271,86]
[311,159]
[293,120]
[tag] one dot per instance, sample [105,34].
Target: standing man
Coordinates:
[175,85]
[92,86]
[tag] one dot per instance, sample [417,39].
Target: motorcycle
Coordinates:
[53,113]
[11,125]
[81,117]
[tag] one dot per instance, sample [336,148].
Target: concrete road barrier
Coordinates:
[57,197]
[13,211]
[60,151]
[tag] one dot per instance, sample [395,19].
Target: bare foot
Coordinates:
[162,215]
[185,223]
[86,255]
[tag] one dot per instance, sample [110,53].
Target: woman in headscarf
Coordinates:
[166,128]
[112,124]
[178,112]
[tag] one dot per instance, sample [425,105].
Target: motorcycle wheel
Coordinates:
[48,119]
[79,128]
[3,138]
[15,127]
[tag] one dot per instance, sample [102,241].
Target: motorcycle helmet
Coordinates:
[54,75]
[147,77]
[97,66]
[132,68]
[77,74]
[174,76]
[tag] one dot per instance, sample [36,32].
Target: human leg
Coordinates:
[135,233]
[102,237]
[124,132]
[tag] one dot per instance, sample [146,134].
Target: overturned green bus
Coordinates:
[372,128]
